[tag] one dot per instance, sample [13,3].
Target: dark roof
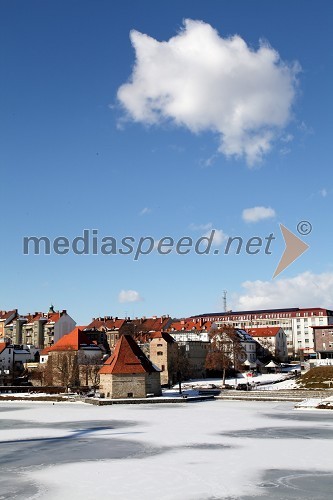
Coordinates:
[127,358]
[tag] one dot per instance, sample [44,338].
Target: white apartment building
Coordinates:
[297,323]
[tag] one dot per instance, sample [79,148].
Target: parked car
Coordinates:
[243,387]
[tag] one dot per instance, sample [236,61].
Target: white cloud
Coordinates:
[201,227]
[129,296]
[256,214]
[203,81]
[219,236]
[145,211]
[305,290]
[323,192]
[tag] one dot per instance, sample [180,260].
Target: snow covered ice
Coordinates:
[211,450]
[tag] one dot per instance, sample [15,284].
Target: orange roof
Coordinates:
[127,358]
[162,335]
[72,341]
[45,351]
[264,332]
[3,346]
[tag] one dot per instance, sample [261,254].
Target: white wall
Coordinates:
[64,325]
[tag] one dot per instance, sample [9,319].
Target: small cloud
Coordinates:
[208,162]
[145,211]
[323,192]
[219,237]
[201,227]
[287,138]
[256,214]
[129,296]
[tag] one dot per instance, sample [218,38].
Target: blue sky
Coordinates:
[73,156]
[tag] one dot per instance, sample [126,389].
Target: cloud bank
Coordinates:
[202,81]
[304,290]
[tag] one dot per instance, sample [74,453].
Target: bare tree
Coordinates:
[225,352]
[179,366]
[89,368]
[64,368]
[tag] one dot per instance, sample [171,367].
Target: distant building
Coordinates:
[12,359]
[163,351]
[297,323]
[128,373]
[324,341]
[39,329]
[190,329]
[273,340]
[112,327]
[5,318]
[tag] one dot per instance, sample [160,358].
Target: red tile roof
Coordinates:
[153,324]
[4,315]
[72,341]
[127,358]
[264,332]
[187,325]
[53,317]
[107,323]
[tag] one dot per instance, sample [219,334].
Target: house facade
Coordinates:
[163,353]
[323,336]
[273,341]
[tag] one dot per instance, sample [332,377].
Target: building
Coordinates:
[73,361]
[323,336]
[37,329]
[128,373]
[186,330]
[112,327]
[12,359]
[163,352]
[273,341]
[5,318]
[297,324]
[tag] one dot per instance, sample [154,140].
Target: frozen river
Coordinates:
[212,450]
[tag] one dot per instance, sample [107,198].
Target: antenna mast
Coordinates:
[225,300]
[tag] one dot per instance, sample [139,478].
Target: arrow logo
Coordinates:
[294,249]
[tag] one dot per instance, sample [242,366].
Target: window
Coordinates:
[159,345]
[163,368]
[159,353]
